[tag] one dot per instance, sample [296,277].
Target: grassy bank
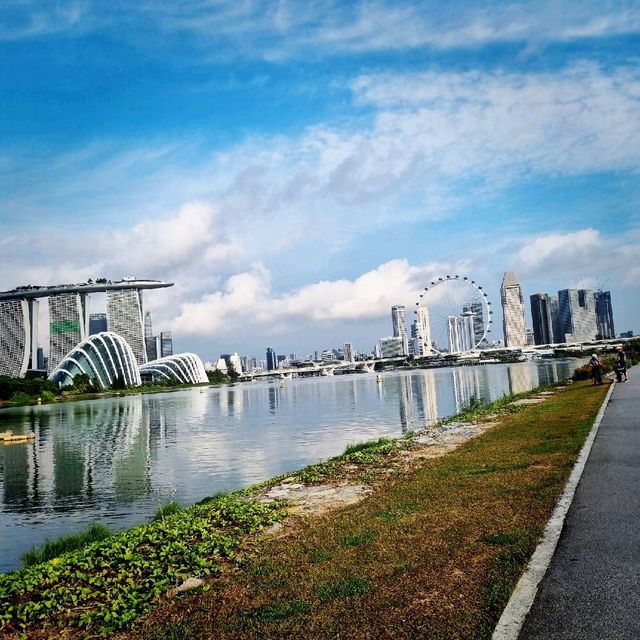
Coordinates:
[433,552]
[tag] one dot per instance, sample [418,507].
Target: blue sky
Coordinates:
[298,167]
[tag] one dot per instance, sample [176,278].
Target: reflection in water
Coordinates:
[115,460]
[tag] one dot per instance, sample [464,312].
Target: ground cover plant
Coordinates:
[106,584]
[434,552]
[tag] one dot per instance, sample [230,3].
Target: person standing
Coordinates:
[596,369]
[622,363]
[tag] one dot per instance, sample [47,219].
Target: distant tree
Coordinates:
[216,377]
[119,383]
[83,383]
[232,374]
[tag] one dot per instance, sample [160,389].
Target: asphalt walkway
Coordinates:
[591,589]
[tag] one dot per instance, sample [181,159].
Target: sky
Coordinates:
[296,168]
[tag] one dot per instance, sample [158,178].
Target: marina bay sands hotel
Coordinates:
[68,320]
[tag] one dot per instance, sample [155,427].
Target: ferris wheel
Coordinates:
[455,315]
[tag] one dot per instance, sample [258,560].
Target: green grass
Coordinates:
[54,548]
[344,588]
[166,510]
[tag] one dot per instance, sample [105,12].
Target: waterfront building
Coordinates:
[97,323]
[272,362]
[185,368]
[541,315]
[391,347]
[105,358]
[232,360]
[604,315]
[68,324]
[125,317]
[626,334]
[40,360]
[327,355]
[166,344]
[15,338]
[68,316]
[476,308]
[399,322]
[555,319]
[421,333]
[577,315]
[348,353]
[513,312]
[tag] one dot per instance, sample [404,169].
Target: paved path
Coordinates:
[591,590]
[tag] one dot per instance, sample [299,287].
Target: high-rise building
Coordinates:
[272,362]
[348,353]
[150,342]
[476,308]
[97,323]
[577,315]
[68,324]
[558,336]
[391,347]
[461,333]
[542,318]
[421,333]
[40,363]
[125,318]
[399,322]
[604,315]
[14,338]
[166,344]
[515,334]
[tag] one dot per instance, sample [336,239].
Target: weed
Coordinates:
[277,611]
[166,510]
[54,548]
[172,631]
[356,541]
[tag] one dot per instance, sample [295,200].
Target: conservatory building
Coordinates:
[184,368]
[104,357]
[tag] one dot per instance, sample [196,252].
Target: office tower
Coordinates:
[460,333]
[68,324]
[347,351]
[604,315]
[150,342]
[272,362]
[577,315]
[542,318]
[421,333]
[97,323]
[40,359]
[555,319]
[166,344]
[399,322]
[233,360]
[391,347]
[125,318]
[513,312]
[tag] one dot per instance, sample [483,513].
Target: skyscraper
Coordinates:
[166,344]
[513,323]
[475,306]
[68,324]
[347,351]
[399,322]
[422,331]
[15,343]
[125,318]
[272,362]
[542,318]
[577,315]
[604,315]
[150,343]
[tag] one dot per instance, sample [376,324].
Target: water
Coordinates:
[116,460]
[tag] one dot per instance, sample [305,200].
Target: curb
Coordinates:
[514,614]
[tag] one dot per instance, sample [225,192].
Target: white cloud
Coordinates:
[555,251]
[247,299]
[289,28]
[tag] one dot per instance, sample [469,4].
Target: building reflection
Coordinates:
[418,401]
[522,377]
[466,385]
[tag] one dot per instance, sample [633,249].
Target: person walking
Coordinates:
[622,363]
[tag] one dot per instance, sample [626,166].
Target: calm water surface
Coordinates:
[116,460]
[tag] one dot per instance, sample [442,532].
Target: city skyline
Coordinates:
[300,168]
